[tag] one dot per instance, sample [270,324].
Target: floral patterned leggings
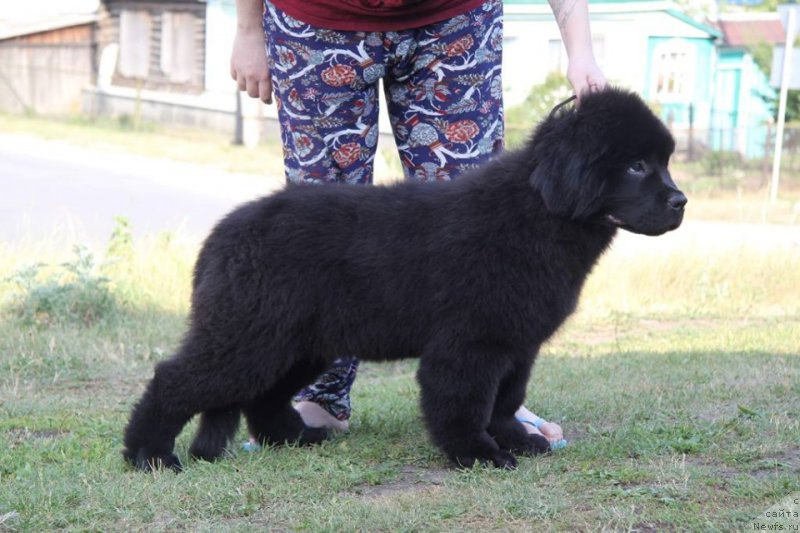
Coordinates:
[443,93]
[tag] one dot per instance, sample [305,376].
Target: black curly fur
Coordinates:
[471,276]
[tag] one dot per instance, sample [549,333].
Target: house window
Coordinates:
[557,54]
[178,48]
[674,67]
[599,49]
[135,28]
[556,57]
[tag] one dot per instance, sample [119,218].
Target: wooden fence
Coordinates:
[44,78]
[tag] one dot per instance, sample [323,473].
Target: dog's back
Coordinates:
[334,261]
[374,272]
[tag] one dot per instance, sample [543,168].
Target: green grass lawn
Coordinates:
[677,384]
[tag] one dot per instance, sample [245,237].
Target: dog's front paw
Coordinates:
[144,460]
[498,458]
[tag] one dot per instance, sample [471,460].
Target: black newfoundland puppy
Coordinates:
[472,276]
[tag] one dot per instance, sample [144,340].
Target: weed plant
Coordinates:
[73,292]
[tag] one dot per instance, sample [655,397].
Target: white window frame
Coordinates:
[674,70]
[178,47]
[135,29]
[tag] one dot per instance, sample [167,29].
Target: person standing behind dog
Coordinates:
[440,61]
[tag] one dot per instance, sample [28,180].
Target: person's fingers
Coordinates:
[265,91]
[597,82]
[580,90]
[590,83]
[252,88]
[241,82]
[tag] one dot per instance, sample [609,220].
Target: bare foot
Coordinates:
[538,426]
[316,416]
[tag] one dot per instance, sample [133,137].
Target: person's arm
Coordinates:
[249,57]
[583,72]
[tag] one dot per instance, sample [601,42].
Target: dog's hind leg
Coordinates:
[508,432]
[271,418]
[157,419]
[458,388]
[193,381]
[217,428]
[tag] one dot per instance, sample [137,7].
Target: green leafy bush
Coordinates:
[521,119]
[72,292]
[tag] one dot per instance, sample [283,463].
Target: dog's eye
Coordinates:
[639,167]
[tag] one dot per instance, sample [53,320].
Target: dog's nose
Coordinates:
[677,201]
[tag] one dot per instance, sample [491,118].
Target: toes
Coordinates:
[305,436]
[146,461]
[505,460]
[528,444]
[552,431]
[170,461]
[498,458]
[209,454]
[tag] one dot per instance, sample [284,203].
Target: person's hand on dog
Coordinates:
[585,75]
[583,72]
[249,63]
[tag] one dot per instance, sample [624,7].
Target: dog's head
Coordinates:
[605,161]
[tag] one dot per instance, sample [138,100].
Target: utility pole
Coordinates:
[786,73]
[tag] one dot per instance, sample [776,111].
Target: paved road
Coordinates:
[57,191]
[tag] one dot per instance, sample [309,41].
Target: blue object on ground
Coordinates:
[251,446]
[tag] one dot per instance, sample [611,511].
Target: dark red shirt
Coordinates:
[374,15]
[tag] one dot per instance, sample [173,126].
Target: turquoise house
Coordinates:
[706,89]
[743,117]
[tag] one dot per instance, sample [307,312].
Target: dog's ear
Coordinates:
[566,171]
